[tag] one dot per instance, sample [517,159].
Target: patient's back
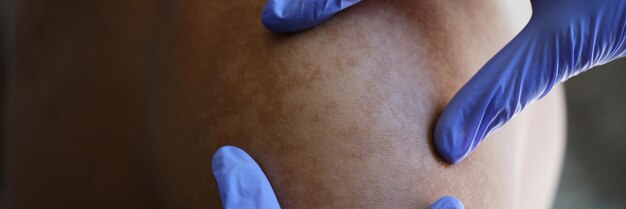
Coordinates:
[340,116]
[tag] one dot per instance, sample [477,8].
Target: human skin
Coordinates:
[125,110]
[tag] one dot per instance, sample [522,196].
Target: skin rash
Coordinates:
[130,107]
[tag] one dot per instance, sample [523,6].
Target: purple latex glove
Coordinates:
[297,15]
[562,39]
[241,181]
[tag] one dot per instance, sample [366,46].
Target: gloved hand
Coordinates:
[243,185]
[562,39]
[297,15]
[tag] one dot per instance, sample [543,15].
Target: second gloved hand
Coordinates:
[243,185]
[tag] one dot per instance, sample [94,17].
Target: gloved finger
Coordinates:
[241,182]
[508,82]
[447,202]
[525,70]
[297,15]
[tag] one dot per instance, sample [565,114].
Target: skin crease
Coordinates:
[130,107]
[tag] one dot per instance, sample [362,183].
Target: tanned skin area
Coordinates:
[122,104]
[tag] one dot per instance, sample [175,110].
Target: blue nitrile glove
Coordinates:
[241,181]
[562,39]
[243,185]
[297,15]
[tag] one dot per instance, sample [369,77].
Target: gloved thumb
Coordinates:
[447,202]
[241,182]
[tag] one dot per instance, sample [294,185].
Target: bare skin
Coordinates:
[130,107]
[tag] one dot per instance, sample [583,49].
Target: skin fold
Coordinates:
[130,107]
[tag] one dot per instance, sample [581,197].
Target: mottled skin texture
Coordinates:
[121,105]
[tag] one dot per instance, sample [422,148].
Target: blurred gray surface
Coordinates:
[594,173]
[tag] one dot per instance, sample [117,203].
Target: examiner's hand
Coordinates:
[243,185]
[562,39]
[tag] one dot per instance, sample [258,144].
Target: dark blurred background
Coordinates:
[594,173]
[5,14]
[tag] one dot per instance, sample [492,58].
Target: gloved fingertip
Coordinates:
[240,180]
[450,143]
[447,202]
[286,16]
[228,156]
